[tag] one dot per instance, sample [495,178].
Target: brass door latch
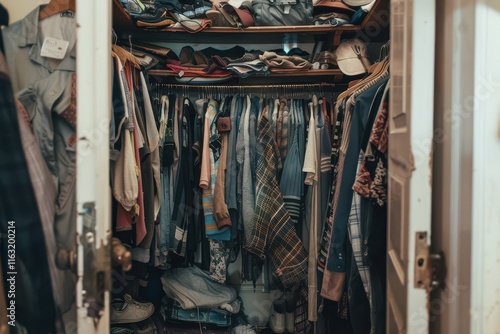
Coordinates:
[429,267]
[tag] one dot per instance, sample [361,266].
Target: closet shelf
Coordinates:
[313,29]
[373,24]
[279,73]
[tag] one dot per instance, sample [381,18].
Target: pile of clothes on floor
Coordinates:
[191,300]
[197,15]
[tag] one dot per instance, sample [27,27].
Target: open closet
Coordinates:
[245,178]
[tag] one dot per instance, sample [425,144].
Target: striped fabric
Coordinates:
[284,134]
[291,184]
[328,223]
[354,228]
[274,233]
[211,228]
[302,325]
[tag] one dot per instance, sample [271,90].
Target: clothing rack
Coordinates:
[291,90]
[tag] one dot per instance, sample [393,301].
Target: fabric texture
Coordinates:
[274,233]
[355,122]
[180,283]
[45,194]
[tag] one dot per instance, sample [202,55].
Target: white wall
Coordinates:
[19,8]
[485,285]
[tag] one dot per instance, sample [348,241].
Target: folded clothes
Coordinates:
[191,24]
[148,61]
[271,59]
[163,52]
[248,56]
[235,52]
[246,69]
[186,71]
[217,62]
[332,22]
[172,311]
[194,288]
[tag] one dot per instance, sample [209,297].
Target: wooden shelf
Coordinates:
[280,73]
[123,24]
[314,29]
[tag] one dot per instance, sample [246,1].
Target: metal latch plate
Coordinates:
[429,267]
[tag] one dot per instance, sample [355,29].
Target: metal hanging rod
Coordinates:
[215,87]
[292,90]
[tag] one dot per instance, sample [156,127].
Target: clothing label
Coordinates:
[287,9]
[54,48]
[180,234]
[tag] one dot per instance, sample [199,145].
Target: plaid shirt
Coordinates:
[18,204]
[302,325]
[274,233]
[354,229]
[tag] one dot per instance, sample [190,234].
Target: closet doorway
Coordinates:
[411,128]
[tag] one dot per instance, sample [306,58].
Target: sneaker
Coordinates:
[277,318]
[129,311]
[134,7]
[158,17]
[240,322]
[290,316]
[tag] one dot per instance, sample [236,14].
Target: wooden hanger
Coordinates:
[379,68]
[125,56]
[55,7]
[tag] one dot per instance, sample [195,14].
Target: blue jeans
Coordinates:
[207,316]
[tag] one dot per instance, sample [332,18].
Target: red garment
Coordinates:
[197,72]
[125,219]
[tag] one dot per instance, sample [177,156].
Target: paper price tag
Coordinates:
[54,48]
[287,9]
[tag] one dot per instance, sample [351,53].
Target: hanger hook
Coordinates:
[114,36]
[130,42]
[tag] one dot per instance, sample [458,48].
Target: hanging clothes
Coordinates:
[33,280]
[272,221]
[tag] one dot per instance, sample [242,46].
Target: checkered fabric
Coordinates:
[302,325]
[354,228]
[274,233]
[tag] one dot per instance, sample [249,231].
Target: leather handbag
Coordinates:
[282,12]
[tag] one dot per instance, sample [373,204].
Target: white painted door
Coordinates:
[93,193]
[410,162]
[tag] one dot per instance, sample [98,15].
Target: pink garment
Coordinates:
[126,218]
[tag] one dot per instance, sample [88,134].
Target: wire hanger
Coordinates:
[114,36]
[55,7]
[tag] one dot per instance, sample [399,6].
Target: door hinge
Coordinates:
[429,267]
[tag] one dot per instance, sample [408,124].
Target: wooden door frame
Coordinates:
[462,154]
[93,194]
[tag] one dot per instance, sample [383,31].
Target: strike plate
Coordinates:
[429,268]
